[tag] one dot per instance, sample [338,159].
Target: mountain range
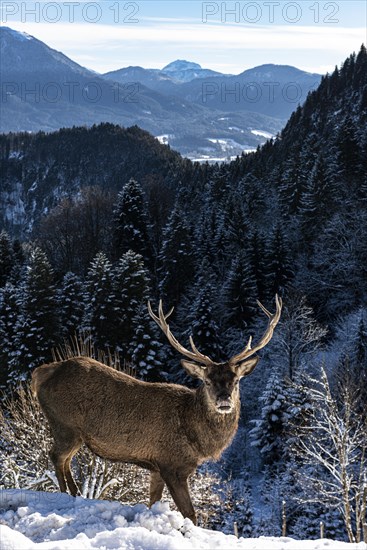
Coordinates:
[201,113]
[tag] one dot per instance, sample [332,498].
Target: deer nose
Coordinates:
[224,396]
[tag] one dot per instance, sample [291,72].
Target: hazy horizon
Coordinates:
[228,37]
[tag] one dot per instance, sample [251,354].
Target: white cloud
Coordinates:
[229,47]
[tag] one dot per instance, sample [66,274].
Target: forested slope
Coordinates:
[210,240]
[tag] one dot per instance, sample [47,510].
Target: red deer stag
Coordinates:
[167,428]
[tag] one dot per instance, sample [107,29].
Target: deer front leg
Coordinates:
[179,489]
[156,487]
[58,460]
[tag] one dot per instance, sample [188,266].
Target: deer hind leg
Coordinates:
[179,489]
[156,487]
[73,488]
[65,446]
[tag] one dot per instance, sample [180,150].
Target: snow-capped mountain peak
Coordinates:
[185,71]
[181,65]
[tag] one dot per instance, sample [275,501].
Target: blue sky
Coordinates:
[225,36]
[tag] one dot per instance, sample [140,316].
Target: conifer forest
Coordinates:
[97,221]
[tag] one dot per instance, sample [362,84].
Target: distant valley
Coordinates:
[203,114]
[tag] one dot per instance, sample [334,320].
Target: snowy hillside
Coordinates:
[30,520]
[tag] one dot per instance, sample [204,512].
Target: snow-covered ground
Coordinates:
[262,133]
[53,521]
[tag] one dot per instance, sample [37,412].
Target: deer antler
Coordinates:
[267,336]
[161,321]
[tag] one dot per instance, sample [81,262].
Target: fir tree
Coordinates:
[267,435]
[176,259]
[351,345]
[236,223]
[71,304]
[99,313]
[242,513]
[317,201]
[359,75]
[6,258]
[290,189]
[130,222]
[19,260]
[205,330]
[145,350]
[239,294]
[279,265]
[207,231]
[237,508]
[131,291]
[349,150]
[256,257]
[132,328]
[297,407]
[37,327]
[9,312]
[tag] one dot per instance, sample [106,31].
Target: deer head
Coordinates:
[221,380]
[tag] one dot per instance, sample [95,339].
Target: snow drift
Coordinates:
[53,521]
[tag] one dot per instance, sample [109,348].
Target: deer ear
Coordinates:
[193,369]
[246,367]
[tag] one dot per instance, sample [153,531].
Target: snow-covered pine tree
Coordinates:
[339,258]
[319,197]
[71,304]
[130,292]
[257,259]
[307,524]
[349,151]
[37,327]
[290,189]
[351,346]
[145,349]
[130,224]
[297,408]
[236,223]
[236,507]
[19,260]
[267,434]
[99,317]
[206,230]
[242,506]
[6,257]
[8,319]
[204,327]
[134,333]
[239,293]
[280,269]
[176,259]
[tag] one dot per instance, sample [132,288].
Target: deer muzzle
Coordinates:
[224,405]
